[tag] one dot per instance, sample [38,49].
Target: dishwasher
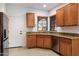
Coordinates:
[56,44]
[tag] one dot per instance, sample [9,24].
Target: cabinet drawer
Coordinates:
[69,41]
[31,36]
[44,36]
[66,40]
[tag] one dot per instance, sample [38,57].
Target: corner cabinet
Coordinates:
[30,19]
[67,15]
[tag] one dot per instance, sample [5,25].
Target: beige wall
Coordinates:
[17,23]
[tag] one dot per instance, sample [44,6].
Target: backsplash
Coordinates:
[70,29]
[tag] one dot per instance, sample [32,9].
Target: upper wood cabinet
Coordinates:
[78,14]
[68,15]
[30,19]
[60,17]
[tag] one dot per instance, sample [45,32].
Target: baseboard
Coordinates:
[15,47]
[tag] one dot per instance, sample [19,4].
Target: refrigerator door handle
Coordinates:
[5,39]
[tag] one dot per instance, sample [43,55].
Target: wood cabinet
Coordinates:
[75,47]
[70,14]
[48,42]
[31,41]
[62,47]
[67,15]
[44,41]
[60,17]
[30,17]
[69,47]
[78,14]
[40,41]
[65,47]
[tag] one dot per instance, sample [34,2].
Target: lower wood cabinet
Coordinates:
[48,42]
[65,47]
[31,41]
[40,41]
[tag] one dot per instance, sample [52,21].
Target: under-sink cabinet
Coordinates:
[39,41]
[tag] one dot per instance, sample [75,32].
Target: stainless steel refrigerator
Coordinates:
[3,34]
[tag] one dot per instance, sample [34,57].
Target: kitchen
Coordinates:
[49,26]
[64,43]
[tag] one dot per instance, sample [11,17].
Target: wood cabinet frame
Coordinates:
[30,17]
[69,15]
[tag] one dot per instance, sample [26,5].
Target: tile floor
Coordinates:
[31,52]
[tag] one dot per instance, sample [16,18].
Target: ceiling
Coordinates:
[37,5]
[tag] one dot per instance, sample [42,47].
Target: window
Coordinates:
[42,23]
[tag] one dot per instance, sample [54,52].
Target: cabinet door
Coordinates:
[40,41]
[31,41]
[62,47]
[70,14]
[30,20]
[47,42]
[68,47]
[59,17]
[78,13]
[65,47]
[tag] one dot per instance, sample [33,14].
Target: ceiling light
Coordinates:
[44,5]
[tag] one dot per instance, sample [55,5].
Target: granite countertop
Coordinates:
[57,34]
